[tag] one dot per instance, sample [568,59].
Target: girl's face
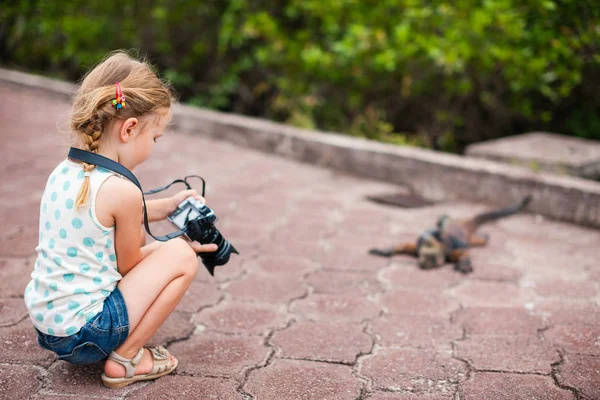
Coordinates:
[139,148]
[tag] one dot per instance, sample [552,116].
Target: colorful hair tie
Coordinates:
[119,102]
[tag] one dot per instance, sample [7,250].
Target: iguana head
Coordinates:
[431,253]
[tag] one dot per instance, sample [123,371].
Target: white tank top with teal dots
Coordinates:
[76,266]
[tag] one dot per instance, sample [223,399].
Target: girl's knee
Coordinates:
[185,256]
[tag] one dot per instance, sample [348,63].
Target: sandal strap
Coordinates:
[162,359]
[129,364]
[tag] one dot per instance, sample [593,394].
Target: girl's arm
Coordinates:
[158,209]
[123,200]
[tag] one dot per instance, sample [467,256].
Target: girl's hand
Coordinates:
[177,198]
[202,248]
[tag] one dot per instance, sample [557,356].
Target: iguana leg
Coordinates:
[462,260]
[478,240]
[404,248]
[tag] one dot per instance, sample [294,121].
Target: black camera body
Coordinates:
[198,222]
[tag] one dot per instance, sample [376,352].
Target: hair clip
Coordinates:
[119,102]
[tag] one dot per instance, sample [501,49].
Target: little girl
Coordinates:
[97,290]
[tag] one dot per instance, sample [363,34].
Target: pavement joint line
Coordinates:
[266,362]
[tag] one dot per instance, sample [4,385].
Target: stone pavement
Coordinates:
[304,312]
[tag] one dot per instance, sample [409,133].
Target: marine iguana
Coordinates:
[450,240]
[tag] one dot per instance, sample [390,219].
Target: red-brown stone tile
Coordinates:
[12,311]
[561,311]
[237,317]
[526,354]
[492,294]
[418,302]
[498,321]
[45,396]
[295,379]
[352,260]
[407,274]
[338,308]
[505,386]
[282,264]
[581,372]
[575,339]
[199,295]
[80,381]
[19,343]
[16,274]
[335,342]
[414,370]
[188,387]
[19,381]
[276,289]
[176,327]
[405,330]
[340,282]
[566,289]
[493,270]
[218,355]
[407,396]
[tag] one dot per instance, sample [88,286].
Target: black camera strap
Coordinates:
[101,161]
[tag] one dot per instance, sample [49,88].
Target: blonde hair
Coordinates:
[93,109]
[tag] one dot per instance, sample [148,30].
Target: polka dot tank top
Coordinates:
[76,266]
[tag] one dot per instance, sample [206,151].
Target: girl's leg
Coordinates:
[151,291]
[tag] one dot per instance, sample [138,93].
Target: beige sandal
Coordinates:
[162,366]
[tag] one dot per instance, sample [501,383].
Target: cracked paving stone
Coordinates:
[323,307]
[12,311]
[19,381]
[212,354]
[498,321]
[415,331]
[238,317]
[339,282]
[408,396]
[199,295]
[415,370]
[507,386]
[296,379]
[333,342]
[80,380]
[176,327]
[492,294]
[575,339]
[187,387]
[19,344]
[273,289]
[581,372]
[408,301]
[526,354]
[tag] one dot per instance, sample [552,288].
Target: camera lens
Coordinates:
[219,256]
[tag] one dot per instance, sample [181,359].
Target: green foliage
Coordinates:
[419,72]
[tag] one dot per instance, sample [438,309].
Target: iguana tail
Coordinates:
[496,214]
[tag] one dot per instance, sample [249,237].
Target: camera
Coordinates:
[197,220]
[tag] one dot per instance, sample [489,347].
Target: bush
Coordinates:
[433,73]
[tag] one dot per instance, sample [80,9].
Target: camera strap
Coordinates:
[101,161]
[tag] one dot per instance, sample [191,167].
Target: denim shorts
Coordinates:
[106,331]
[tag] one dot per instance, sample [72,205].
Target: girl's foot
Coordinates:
[148,363]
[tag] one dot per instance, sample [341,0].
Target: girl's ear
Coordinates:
[128,129]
